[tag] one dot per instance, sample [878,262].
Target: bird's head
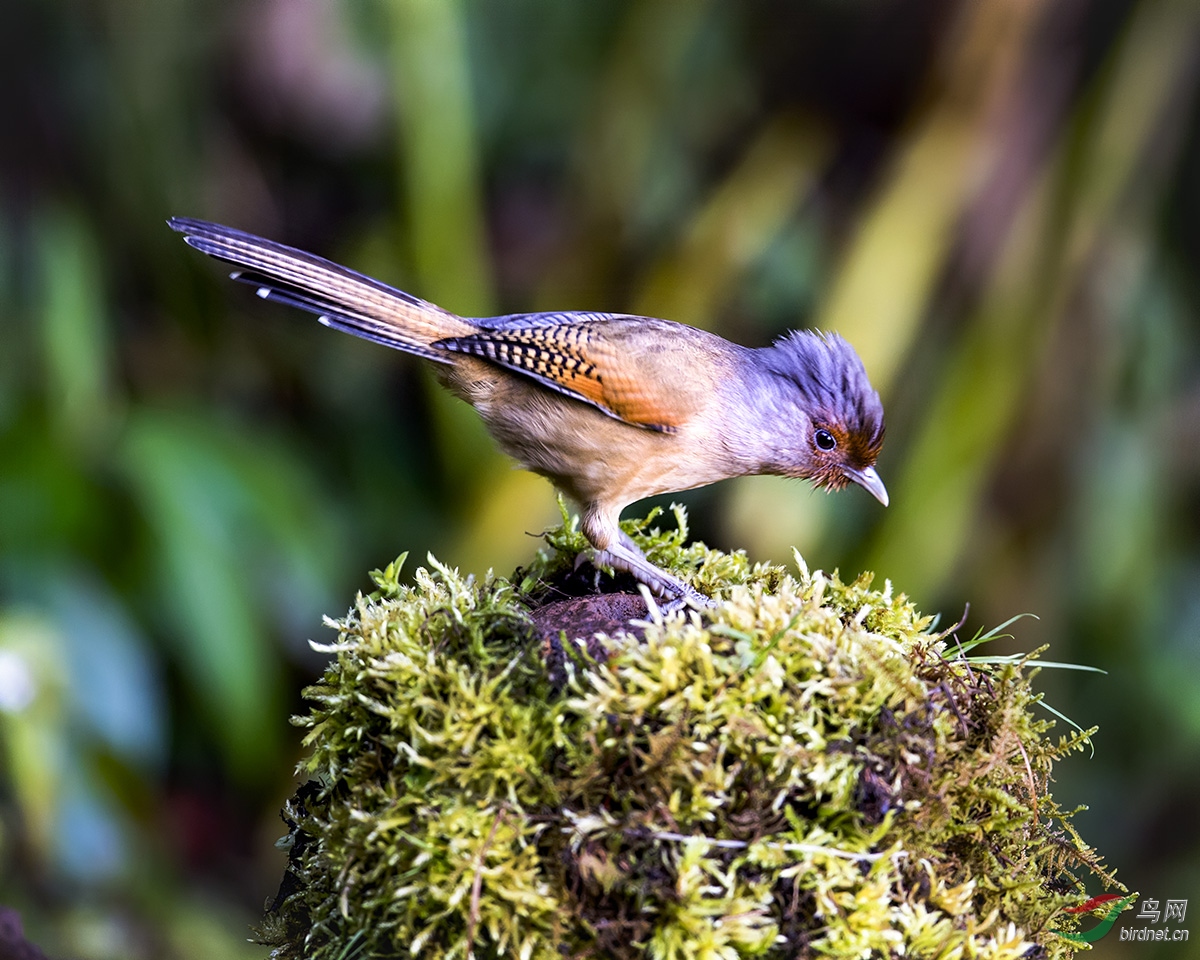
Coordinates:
[837,413]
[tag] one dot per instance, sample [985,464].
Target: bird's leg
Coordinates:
[621,553]
[624,554]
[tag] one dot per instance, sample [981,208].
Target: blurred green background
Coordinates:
[996,201]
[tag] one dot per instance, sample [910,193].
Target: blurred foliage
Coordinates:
[998,203]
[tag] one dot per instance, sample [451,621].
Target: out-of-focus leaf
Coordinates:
[229,525]
[187,926]
[737,224]
[441,156]
[200,930]
[74,329]
[1120,518]
[190,498]
[939,492]
[34,723]
[46,501]
[90,842]
[444,206]
[69,824]
[771,516]
[116,691]
[14,338]
[504,523]
[1172,653]
[882,290]
[631,122]
[936,495]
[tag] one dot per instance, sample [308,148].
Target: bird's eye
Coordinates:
[825,440]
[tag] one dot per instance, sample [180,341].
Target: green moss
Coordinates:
[801,772]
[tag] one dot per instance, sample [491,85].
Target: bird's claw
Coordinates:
[674,593]
[689,598]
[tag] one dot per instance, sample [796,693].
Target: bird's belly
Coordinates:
[586,453]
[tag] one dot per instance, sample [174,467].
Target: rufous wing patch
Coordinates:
[581,361]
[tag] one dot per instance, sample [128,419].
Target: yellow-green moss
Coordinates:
[804,771]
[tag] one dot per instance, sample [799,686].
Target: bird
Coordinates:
[611,408]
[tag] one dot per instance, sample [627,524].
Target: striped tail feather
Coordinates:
[340,297]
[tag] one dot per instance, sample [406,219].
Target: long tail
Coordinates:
[341,298]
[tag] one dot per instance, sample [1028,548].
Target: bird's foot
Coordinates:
[625,556]
[690,597]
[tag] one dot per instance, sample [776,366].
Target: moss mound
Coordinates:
[804,771]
